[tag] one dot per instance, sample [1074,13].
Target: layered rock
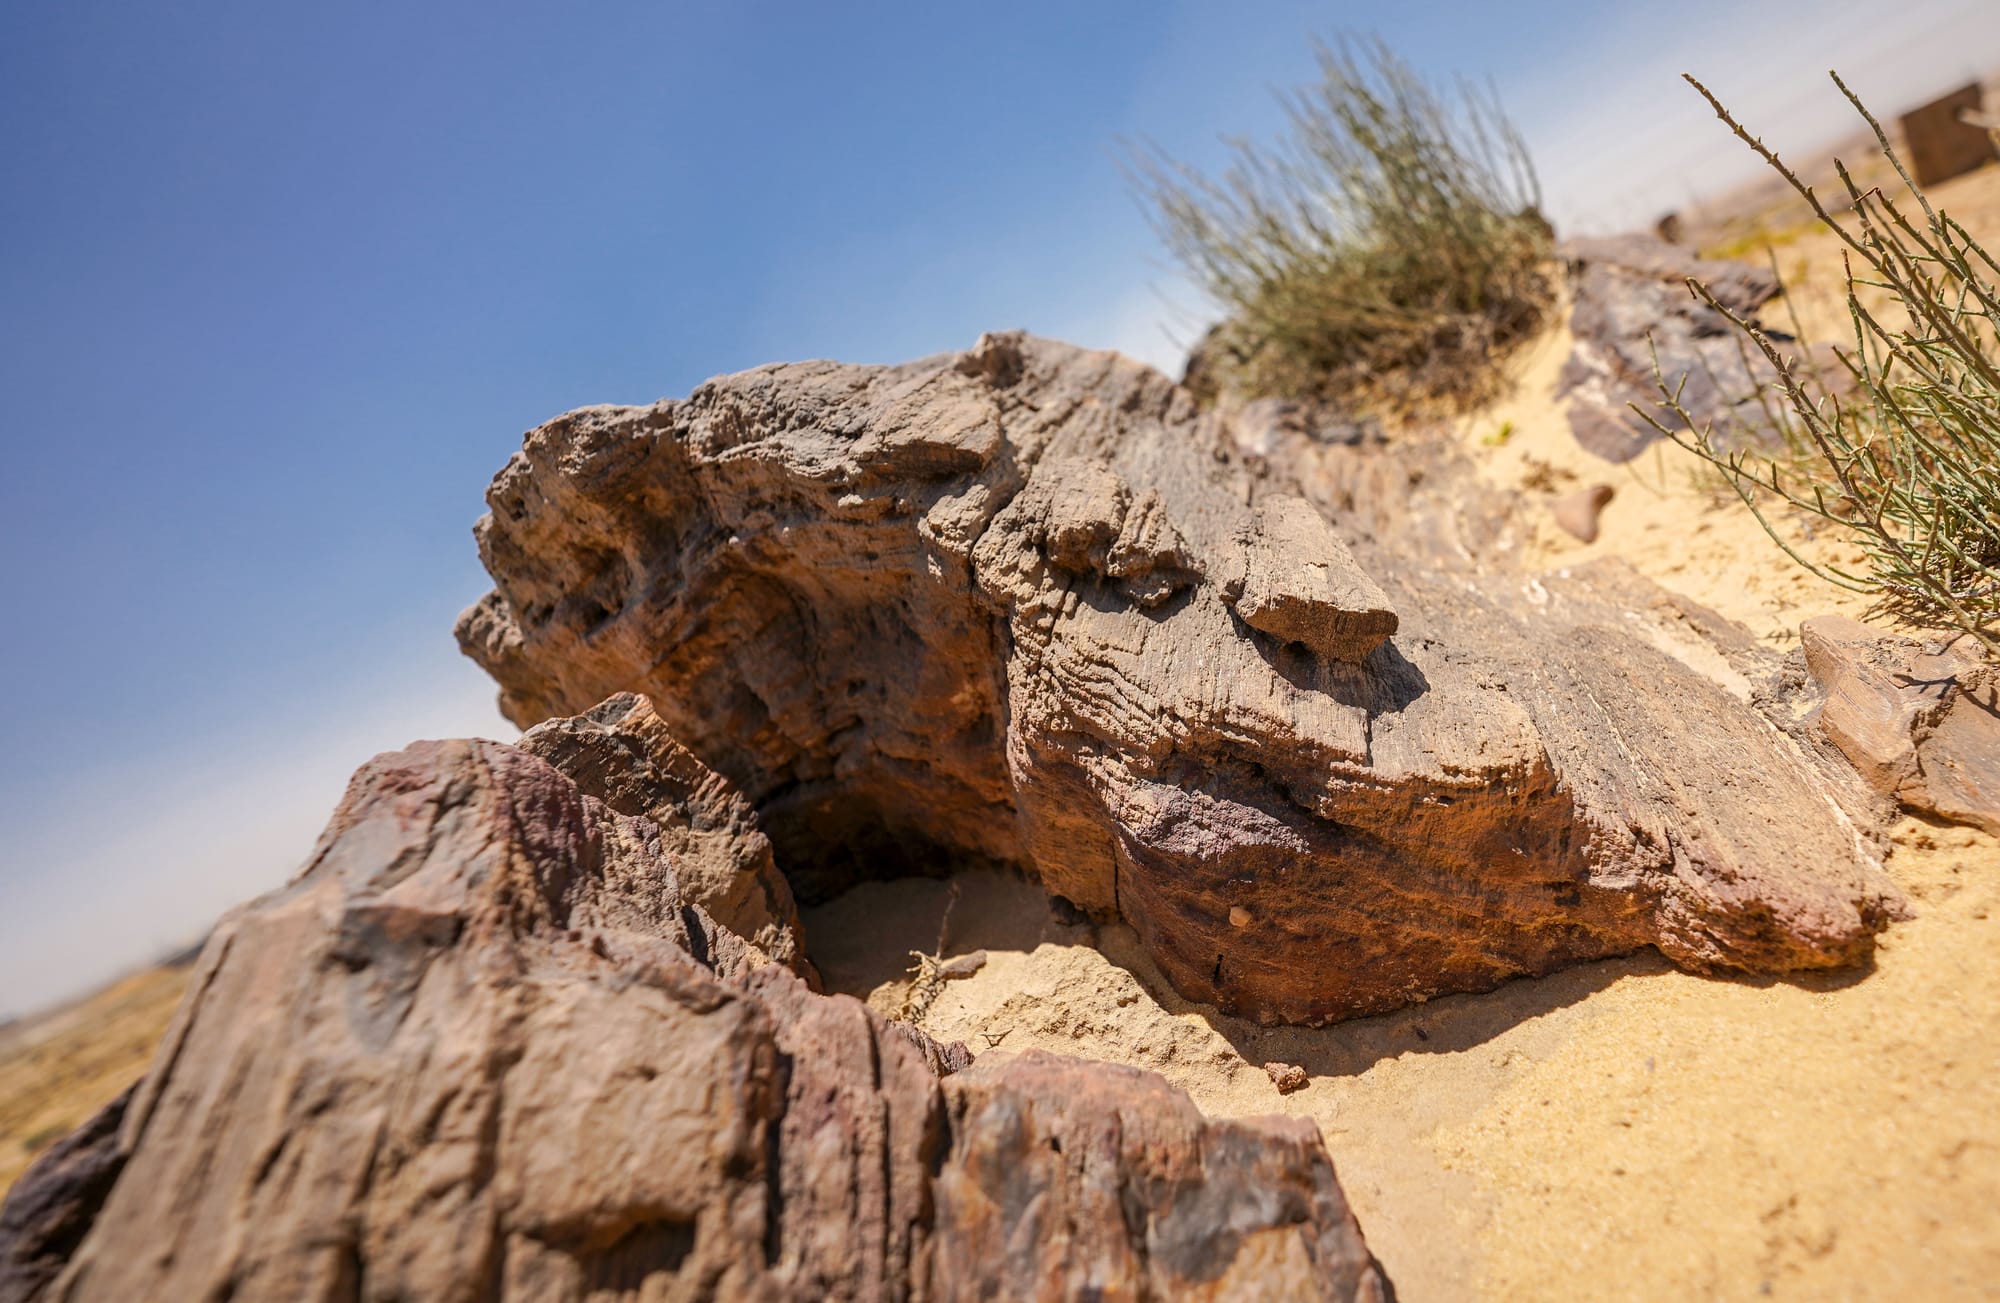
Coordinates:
[485,1047]
[1030,604]
[621,753]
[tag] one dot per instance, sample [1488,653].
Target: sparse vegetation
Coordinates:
[1387,251]
[1898,447]
[38,1141]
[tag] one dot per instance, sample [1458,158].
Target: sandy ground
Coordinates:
[60,1067]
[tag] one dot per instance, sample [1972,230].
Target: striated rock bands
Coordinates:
[485,1047]
[1027,605]
[621,753]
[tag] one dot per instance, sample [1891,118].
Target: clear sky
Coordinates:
[283,283]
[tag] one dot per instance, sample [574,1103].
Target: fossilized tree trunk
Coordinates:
[1266,701]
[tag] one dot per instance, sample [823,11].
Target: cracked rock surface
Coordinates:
[1031,605]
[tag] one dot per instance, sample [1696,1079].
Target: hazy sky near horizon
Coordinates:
[283,284]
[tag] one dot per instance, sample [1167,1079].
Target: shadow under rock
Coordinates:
[1451,1024]
[863,938]
[1384,684]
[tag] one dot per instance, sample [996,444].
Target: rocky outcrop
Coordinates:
[1920,723]
[1632,308]
[485,1047]
[49,1210]
[1031,605]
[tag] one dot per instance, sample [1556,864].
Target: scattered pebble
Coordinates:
[964,965]
[1239,916]
[1578,512]
[1287,1077]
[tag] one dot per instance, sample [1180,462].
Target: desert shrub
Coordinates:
[1386,250]
[1896,443]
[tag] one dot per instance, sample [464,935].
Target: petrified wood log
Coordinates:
[1025,604]
[483,1048]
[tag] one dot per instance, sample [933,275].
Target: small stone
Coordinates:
[1239,916]
[1287,1077]
[1578,512]
[962,965]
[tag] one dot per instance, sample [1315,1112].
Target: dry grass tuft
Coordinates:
[1388,251]
[1897,445]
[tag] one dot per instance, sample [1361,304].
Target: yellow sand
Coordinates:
[61,1067]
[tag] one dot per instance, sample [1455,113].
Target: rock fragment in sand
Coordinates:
[1921,723]
[1577,512]
[483,1046]
[1287,1077]
[989,608]
[962,966]
[1631,304]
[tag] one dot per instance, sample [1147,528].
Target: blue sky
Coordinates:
[283,284]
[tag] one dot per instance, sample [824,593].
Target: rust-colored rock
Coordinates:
[484,1048]
[989,607]
[1921,724]
[1949,136]
[1055,1164]
[1287,1077]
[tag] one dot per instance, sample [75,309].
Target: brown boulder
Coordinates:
[1094,1181]
[989,607]
[484,1047]
[1920,724]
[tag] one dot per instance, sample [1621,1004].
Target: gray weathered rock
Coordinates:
[1631,305]
[987,607]
[1301,585]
